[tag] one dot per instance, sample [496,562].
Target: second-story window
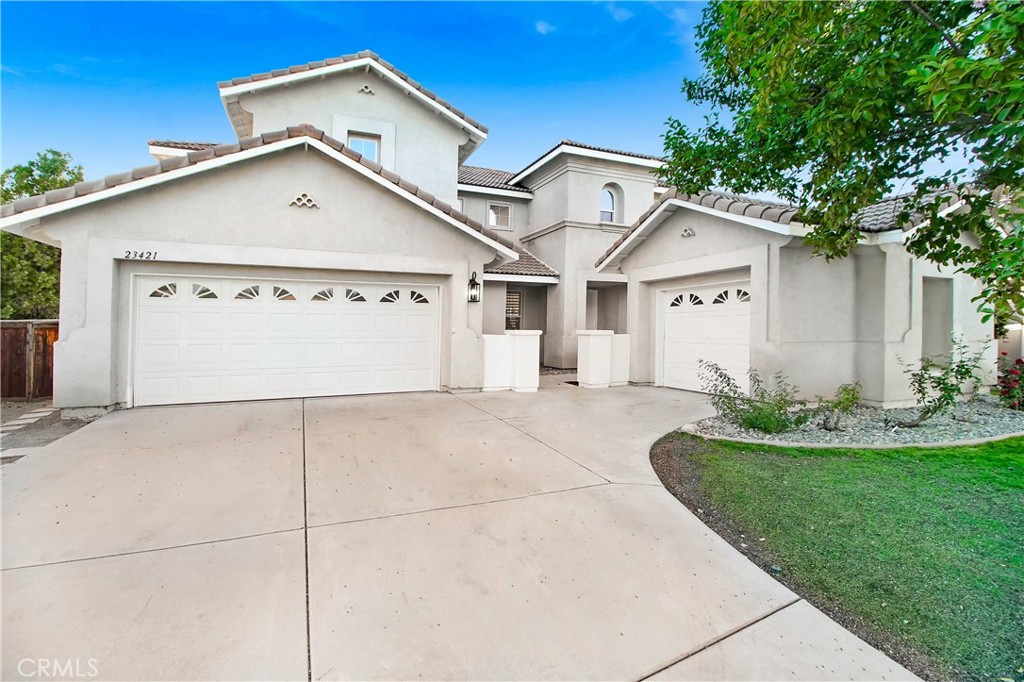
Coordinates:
[367,145]
[499,216]
[609,204]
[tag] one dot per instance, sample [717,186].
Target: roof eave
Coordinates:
[20,221]
[580,151]
[231,93]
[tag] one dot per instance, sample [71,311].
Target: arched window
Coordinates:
[607,206]
[611,204]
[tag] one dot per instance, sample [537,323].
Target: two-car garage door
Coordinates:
[711,323]
[208,339]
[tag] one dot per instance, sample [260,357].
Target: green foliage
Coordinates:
[832,410]
[832,105]
[771,410]
[29,270]
[938,382]
[1010,384]
[925,545]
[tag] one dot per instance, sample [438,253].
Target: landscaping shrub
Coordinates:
[938,384]
[1011,382]
[771,410]
[833,410]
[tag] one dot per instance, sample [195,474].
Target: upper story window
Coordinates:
[611,204]
[367,145]
[499,216]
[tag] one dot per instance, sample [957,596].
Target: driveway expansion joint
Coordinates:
[151,550]
[507,422]
[467,505]
[719,639]
[305,546]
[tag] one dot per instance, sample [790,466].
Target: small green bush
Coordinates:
[770,410]
[833,410]
[940,381]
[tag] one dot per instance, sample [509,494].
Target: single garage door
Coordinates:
[209,339]
[705,323]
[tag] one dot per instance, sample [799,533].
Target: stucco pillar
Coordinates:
[595,358]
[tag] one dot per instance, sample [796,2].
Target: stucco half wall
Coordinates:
[239,219]
[821,323]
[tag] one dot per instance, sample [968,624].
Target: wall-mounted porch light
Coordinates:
[473,295]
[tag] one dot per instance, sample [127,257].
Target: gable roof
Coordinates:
[231,89]
[880,217]
[489,177]
[32,208]
[773,216]
[528,265]
[571,146]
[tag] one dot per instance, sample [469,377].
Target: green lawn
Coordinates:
[923,545]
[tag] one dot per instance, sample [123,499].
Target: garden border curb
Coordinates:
[691,430]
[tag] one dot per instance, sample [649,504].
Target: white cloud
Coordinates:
[619,14]
[544,28]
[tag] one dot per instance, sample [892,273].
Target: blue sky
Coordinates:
[100,79]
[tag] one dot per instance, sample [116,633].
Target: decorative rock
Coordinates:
[981,418]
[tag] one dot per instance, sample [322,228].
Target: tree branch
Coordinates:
[927,17]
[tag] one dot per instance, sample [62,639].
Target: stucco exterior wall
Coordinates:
[569,189]
[821,323]
[239,217]
[417,143]
[475,206]
[493,303]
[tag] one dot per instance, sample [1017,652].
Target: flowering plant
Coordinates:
[1011,382]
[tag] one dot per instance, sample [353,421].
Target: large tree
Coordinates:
[834,105]
[30,271]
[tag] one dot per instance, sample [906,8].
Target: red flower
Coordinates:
[1004,353]
[1019,361]
[1015,372]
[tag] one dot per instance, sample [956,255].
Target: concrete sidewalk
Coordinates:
[438,536]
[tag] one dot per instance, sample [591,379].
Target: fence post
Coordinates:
[30,360]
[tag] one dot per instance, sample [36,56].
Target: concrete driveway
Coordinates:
[419,536]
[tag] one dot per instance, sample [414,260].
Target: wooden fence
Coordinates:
[26,358]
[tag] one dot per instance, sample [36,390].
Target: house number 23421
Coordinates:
[140,255]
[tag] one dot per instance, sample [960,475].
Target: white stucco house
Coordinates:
[342,245]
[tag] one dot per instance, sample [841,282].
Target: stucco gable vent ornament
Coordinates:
[304,201]
[687,232]
[365,90]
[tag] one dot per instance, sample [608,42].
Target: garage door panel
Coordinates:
[205,323]
[202,356]
[241,325]
[356,323]
[162,357]
[388,352]
[696,328]
[203,339]
[390,323]
[239,383]
[418,352]
[323,323]
[284,324]
[420,325]
[158,324]
[323,354]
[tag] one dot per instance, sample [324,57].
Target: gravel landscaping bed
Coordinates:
[982,417]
